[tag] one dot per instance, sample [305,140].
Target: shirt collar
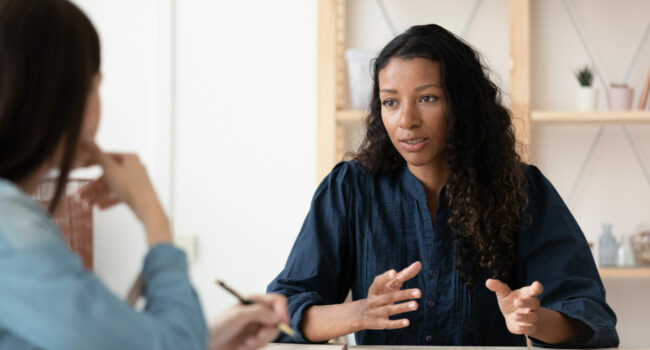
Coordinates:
[415,187]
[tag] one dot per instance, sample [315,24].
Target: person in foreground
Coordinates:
[49,114]
[440,232]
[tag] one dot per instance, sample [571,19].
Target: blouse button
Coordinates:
[432,273]
[431,303]
[428,338]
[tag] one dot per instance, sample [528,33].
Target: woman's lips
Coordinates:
[413,144]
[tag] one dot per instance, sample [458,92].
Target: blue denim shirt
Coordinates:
[361,225]
[48,300]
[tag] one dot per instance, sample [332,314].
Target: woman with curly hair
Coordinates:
[486,250]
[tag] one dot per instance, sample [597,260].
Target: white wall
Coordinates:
[246,137]
[224,94]
[135,118]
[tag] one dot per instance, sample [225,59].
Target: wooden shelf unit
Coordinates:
[624,272]
[595,117]
[350,116]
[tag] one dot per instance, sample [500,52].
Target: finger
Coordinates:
[524,329]
[405,275]
[528,303]
[123,158]
[100,195]
[394,297]
[253,342]
[395,324]
[97,156]
[501,289]
[380,281]
[108,203]
[258,313]
[529,318]
[249,343]
[267,334]
[406,294]
[533,290]
[277,302]
[394,309]
[92,189]
[90,149]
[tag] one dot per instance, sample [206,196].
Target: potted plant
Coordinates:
[587,96]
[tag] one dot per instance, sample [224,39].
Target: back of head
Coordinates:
[49,53]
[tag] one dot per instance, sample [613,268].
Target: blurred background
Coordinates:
[224,104]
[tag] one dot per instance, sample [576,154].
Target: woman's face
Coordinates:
[414,109]
[90,121]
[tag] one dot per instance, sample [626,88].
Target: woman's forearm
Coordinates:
[556,328]
[324,322]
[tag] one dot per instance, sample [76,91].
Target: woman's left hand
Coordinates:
[519,307]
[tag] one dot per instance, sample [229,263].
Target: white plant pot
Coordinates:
[587,98]
[620,98]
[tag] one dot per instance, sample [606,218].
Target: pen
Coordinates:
[283,327]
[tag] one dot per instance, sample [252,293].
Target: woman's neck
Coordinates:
[433,177]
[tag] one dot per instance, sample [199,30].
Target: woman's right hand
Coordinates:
[385,298]
[125,180]
[249,327]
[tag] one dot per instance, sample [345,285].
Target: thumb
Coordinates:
[501,289]
[533,290]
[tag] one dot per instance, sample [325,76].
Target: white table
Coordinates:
[390,347]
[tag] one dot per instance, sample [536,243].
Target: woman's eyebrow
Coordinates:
[419,88]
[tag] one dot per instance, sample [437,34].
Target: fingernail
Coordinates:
[412,305]
[416,293]
[405,323]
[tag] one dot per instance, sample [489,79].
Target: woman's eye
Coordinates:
[389,103]
[428,98]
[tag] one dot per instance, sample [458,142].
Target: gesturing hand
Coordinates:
[383,297]
[519,307]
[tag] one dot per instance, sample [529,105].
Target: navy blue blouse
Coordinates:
[361,225]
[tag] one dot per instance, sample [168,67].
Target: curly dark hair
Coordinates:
[486,187]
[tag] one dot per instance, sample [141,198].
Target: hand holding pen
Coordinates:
[250,325]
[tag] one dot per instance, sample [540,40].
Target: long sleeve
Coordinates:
[48,300]
[554,251]
[318,270]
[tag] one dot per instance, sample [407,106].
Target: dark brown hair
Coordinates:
[49,53]
[486,186]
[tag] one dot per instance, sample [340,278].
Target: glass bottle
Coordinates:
[607,247]
[625,255]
